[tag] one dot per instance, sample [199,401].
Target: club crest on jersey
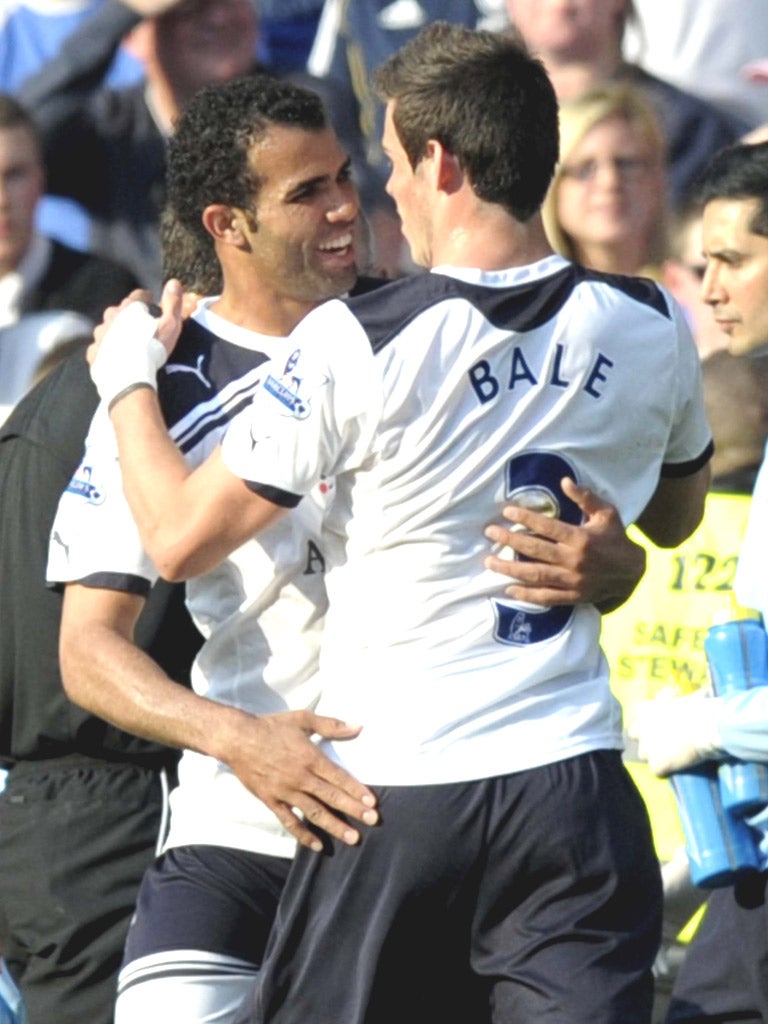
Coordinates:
[83,486]
[293,402]
[291,361]
[521,627]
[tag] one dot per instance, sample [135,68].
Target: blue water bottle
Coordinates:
[720,846]
[737,654]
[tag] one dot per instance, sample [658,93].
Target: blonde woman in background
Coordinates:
[607,205]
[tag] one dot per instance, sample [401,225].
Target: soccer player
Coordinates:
[513,875]
[256,173]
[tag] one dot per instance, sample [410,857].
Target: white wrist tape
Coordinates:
[129,353]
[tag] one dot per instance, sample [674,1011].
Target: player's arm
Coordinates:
[676,508]
[189,520]
[595,563]
[677,505]
[272,755]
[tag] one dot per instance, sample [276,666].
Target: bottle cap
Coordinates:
[734,612]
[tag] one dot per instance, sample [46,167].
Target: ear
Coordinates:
[227,224]
[448,174]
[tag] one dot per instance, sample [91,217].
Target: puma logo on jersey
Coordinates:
[57,539]
[255,440]
[196,370]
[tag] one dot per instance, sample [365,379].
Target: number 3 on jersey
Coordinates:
[533,481]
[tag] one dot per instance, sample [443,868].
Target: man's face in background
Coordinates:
[735,283]
[22,182]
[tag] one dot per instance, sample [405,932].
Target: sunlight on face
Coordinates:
[406,188]
[735,283]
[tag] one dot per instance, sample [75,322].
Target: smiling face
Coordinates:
[735,283]
[21,186]
[302,233]
[610,191]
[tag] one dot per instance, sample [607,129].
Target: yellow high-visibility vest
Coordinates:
[656,640]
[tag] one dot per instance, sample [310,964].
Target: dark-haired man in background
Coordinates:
[724,976]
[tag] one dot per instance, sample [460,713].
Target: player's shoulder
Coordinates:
[194,339]
[386,310]
[520,305]
[626,291]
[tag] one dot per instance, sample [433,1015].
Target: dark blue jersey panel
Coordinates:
[385,312]
[201,377]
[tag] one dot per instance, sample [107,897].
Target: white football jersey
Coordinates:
[432,402]
[260,611]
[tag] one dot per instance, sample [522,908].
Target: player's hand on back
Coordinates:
[274,757]
[595,562]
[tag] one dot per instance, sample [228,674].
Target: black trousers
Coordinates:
[75,840]
[724,977]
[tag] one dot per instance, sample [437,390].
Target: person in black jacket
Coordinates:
[81,814]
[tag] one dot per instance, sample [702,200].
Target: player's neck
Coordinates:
[265,314]
[491,240]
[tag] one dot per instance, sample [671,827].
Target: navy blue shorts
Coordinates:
[197,941]
[530,897]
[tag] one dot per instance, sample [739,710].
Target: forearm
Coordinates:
[156,478]
[104,672]
[675,732]
[272,755]
[189,519]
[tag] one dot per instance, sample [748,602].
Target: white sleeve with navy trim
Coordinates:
[94,538]
[314,416]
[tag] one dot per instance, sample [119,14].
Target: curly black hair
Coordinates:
[208,151]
